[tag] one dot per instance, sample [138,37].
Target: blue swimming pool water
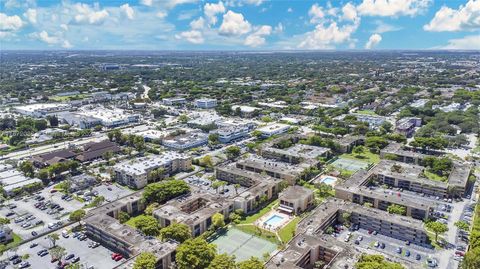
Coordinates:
[274,220]
[329,180]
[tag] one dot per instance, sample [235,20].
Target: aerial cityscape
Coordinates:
[248,134]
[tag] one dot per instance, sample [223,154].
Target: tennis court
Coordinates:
[242,245]
[349,164]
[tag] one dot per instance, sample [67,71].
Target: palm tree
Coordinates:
[53,237]
[236,186]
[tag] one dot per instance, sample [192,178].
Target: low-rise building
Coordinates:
[174,101]
[195,210]
[296,153]
[279,170]
[206,103]
[134,173]
[406,126]
[42,110]
[348,142]
[185,141]
[273,129]
[296,199]
[232,133]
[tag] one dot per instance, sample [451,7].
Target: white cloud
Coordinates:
[278,29]
[211,10]
[384,27]
[66,44]
[257,38]
[193,36]
[326,37]
[373,41]
[45,37]
[31,15]
[161,14]
[198,24]
[86,14]
[290,10]
[316,13]
[64,27]
[234,24]
[146,2]
[349,12]
[253,2]
[387,8]
[128,11]
[471,42]
[10,23]
[465,18]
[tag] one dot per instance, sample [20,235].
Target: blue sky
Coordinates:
[239,24]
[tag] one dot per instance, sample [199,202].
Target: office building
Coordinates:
[206,103]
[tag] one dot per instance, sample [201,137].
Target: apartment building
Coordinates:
[295,154]
[279,170]
[174,101]
[296,199]
[406,154]
[195,210]
[347,143]
[406,126]
[134,173]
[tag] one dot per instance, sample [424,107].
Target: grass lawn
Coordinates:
[131,221]
[366,112]
[16,241]
[263,211]
[286,233]
[433,176]
[254,230]
[365,156]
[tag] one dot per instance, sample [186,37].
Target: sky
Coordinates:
[239,24]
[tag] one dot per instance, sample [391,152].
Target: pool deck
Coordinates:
[261,222]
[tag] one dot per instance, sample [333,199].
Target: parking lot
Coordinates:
[98,257]
[111,192]
[24,213]
[387,245]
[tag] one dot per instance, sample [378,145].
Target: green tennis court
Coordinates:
[242,245]
[349,164]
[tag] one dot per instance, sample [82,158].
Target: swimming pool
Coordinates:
[329,180]
[274,220]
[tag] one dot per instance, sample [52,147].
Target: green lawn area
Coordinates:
[131,221]
[286,233]
[366,112]
[263,211]
[365,156]
[254,230]
[433,176]
[16,241]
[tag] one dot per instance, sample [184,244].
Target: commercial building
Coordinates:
[174,101]
[93,115]
[273,129]
[206,103]
[195,210]
[134,173]
[296,199]
[232,133]
[199,119]
[185,141]
[95,150]
[42,110]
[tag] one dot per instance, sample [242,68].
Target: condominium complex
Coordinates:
[134,173]
[296,199]
[295,153]
[206,103]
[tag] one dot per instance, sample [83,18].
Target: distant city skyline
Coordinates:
[240,25]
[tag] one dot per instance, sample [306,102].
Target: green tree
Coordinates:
[176,231]
[146,260]
[150,208]
[77,215]
[472,259]
[218,220]
[223,261]
[183,118]
[53,238]
[358,150]
[396,209]
[232,152]
[164,190]
[148,225]
[195,254]
[123,217]
[462,225]
[376,262]
[4,221]
[57,252]
[437,227]
[252,263]
[27,168]
[53,120]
